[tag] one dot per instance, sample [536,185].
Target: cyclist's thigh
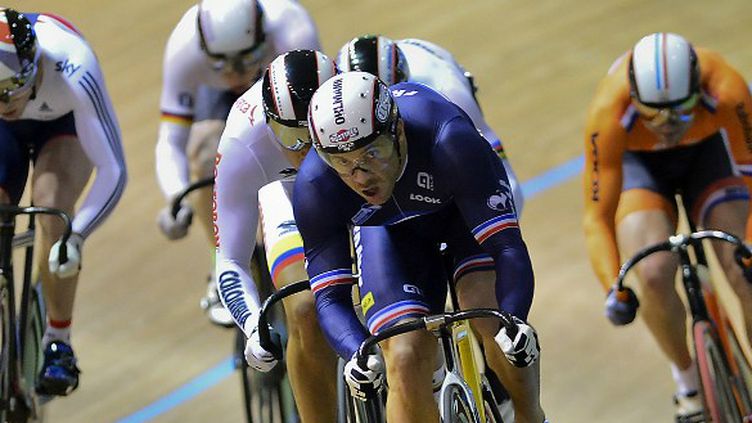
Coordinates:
[61,167]
[212,107]
[401,275]
[647,210]
[14,165]
[282,241]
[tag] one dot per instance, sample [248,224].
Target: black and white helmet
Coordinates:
[290,81]
[374,54]
[288,85]
[349,111]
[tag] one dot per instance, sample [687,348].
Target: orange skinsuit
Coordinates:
[607,138]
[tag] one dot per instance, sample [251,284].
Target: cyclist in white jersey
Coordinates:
[218,49]
[56,113]
[417,60]
[265,139]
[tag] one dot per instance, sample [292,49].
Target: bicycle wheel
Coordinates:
[716,378]
[457,406]
[741,369]
[31,342]
[5,331]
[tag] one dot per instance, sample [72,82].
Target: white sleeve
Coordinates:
[177,104]
[171,158]
[99,134]
[238,177]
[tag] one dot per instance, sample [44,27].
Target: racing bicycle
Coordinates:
[23,322]
[723,367]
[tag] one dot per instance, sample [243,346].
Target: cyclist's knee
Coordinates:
[4,197]
[301,313]
[657,275]
[202,147]
[408,353]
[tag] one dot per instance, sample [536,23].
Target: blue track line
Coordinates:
[188,391]
[224,369]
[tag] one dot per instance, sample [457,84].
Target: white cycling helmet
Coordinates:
[349,111]
[663,70]
[230,26]
[374,54]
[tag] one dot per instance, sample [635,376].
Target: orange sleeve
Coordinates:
[735,116]
[605,141]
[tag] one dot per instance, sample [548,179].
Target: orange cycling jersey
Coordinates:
[613,128]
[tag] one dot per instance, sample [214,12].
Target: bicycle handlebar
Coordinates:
[265,337]
[175,206]
[9,212]
[433,323]
[680,242]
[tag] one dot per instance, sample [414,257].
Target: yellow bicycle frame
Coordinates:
[465,341]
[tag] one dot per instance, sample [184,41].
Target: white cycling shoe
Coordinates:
[212,305]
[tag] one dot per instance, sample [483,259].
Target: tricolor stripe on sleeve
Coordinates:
[331,278]
[492,226]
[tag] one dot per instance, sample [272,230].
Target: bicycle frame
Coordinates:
[19,401]
[440,325]
[710,321]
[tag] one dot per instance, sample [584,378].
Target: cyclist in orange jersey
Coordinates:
[667,119]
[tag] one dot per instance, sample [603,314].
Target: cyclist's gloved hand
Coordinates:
[72,265]
[175,227]
[744,262]
[365,383]
[256,356]
[621,306]
[519,343]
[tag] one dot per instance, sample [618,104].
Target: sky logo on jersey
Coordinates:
[66,67]
[344,135]
[231,291]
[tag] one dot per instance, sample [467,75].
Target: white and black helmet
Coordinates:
[349,111]
[374,54]
[230,26]
[663,70]
[289,83]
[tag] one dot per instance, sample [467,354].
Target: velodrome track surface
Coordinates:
[139,332]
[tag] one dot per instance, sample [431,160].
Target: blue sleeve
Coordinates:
[481,190]
[329,266]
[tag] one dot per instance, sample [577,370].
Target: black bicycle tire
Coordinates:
[31,345]
[743,379]
[457,405]
[5,330]
[715,375]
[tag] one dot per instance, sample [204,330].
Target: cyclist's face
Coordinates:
[372,171]
[242,69]
[669,124]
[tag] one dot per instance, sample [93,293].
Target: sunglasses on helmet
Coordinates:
[17,85]
[292,138]
[682,112]
[238,62]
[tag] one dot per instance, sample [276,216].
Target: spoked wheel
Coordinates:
[32,351]
[5,332]
[741,369]
[717,381]
[457,406]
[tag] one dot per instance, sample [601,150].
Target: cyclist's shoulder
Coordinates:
[720,79]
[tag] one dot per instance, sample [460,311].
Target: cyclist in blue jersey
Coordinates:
[409,168]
